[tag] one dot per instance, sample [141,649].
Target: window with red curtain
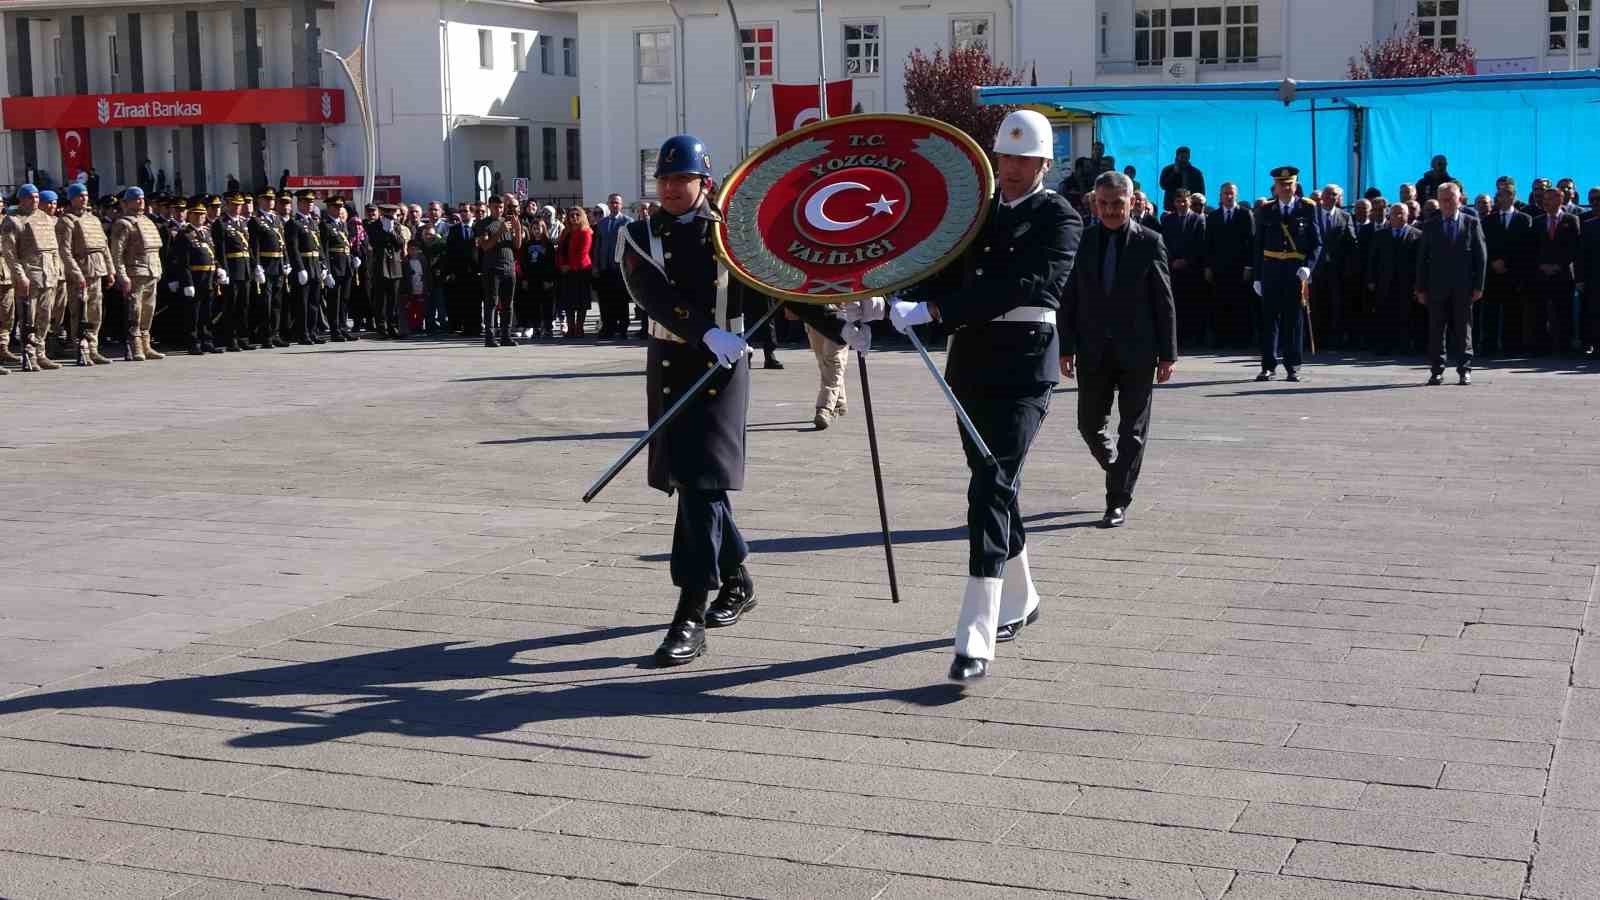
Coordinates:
[760,50]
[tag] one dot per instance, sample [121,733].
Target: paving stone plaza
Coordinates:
[334,621]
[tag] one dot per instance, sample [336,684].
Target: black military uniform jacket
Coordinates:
[266,239]
[195,258]
[231,237]
[336,241]
[1019,265]
[671,273]
[1277,254]
[303,246]
[388,252]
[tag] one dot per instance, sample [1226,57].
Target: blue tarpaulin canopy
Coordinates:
[1523,125]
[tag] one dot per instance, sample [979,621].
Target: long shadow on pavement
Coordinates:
[550,376]
[391,688]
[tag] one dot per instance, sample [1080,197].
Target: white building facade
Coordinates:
[455,84]
[658,67]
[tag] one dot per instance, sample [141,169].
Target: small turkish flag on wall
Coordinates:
[794,105]
[76,154]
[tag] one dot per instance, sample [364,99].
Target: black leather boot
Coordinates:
[686,637]
[737,597]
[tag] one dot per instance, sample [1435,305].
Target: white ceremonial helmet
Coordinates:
[1026,132]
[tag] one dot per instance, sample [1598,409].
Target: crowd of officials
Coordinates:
[235,272]
[1540,293]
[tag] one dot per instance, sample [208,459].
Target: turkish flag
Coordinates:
[794,105]
[76,154]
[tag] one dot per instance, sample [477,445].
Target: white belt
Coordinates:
[1026,314]
[661,332]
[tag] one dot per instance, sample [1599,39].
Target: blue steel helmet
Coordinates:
[133,193]
[76,189]
[683,154]
[48,197]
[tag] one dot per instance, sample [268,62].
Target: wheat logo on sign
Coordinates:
[327,105]
[102,110]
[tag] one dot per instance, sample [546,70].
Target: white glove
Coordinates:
[1303,273]
[872,309]
[188,290]
[222,278]
[726,346]
[172,286]
[327,280]
[300,276]
[1256,286]
[904,315]
[856,337]
[261,275]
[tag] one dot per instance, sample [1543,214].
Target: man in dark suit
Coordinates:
[1358,302]
[1184,234]
[1556,240]
[1117,332]
[1328,275]
[1450,273]
[1498,317]
[1230,238]
[1180,175]
[1392,279]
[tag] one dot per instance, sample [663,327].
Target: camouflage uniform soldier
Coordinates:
[8,294]
[136,258]
[37,275]
[86,255]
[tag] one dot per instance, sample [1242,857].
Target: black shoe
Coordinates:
[318,340]
[490,342]
[246,345]
[1466,378]
[279,342]
[1008,632]
[966,668]
[1292,376]
[771,362]
[1115,517]
[1436,378]
[214,349]
[686,637]
[1264,376]
[336,338]
[507,340]
[196,350]
[737,597]
[351,336]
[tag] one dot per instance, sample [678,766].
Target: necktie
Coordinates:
[1109,276]
[1552,227]
[1227,216]
[1450,228]
[1397,234]
[1505,220]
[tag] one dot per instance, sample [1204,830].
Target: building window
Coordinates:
[574,156]
[519,52]
[654,52]
[547,137]
[760,50]
[970,33]
[1216,33]
[569,57]
[524,151]
[546,64]
[485,48]
[115,59]
[1439,22]
[1105,33]
[647,172]
[863,48]
[1561,16]
[55,52]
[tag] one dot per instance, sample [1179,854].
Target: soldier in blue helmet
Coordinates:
[695,323]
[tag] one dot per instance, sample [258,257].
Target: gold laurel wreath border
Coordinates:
[976,158]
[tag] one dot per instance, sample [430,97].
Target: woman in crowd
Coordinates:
[573,263]
[536,301]
[552,222]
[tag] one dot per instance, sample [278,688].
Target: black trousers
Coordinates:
[1008,417]
[236,311]
[1450,314]
[499,293]
[202,310]
[267,309]
[706,543]
[756,306]
[1283,329]
[1131,390]
[337,301]
[1392,312]
[614,303]
[1235,309]
[1554,312]
[386,303]
[308,307]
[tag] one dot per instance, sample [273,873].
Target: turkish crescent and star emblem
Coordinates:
[853,207]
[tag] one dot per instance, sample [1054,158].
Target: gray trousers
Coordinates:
[1450,313]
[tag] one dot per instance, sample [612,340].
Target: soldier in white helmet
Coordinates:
[999,304]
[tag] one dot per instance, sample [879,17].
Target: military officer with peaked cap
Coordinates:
[1287,246]
[196,275]
[302,238]
[999,302]
[230,234]
[271,272]
[695,324]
